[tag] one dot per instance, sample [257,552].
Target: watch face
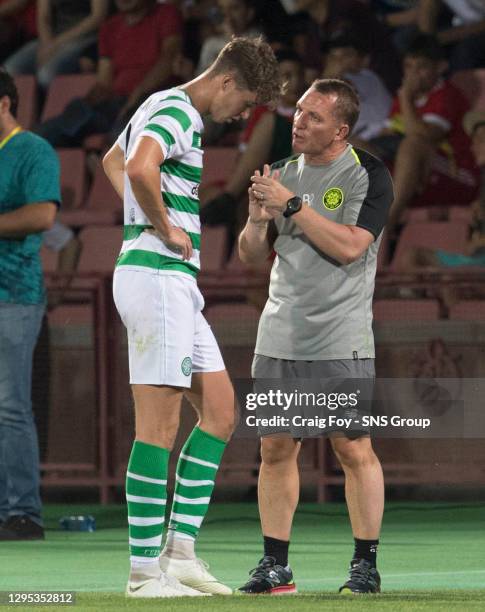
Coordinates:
[294,203]
[292,206]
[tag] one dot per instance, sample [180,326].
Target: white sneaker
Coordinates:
[163,586]
[193,573]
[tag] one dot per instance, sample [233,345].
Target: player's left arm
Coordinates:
[365,215]
[114,168]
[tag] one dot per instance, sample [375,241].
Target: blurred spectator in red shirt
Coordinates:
[137,49]
[424,137]
[17,25]
[465,39]
[65,28]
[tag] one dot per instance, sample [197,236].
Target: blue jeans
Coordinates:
[65,61]
[19,449]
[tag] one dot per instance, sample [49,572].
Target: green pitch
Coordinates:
[431,557]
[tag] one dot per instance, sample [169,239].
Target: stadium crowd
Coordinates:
[408,51]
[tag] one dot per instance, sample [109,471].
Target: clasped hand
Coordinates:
[267,194]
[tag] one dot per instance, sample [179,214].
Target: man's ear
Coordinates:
[342,132]
[226,80]
[4,104]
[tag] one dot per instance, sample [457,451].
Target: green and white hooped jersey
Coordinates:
[168,117]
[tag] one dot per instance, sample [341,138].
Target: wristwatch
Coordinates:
[293,206]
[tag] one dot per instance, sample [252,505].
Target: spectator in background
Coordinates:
[266,139]
[401,16]
[65,29]
[237,19]
[320,20]
[137,47]
[474,255]
[465,40]
[424,138]
[17,25]
[347,58]
[29,196]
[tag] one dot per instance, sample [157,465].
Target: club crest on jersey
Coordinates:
[333,198]
[186,366]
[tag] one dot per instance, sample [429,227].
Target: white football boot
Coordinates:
[152,582]
[193,573]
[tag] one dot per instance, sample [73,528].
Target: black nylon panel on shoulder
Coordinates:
[380,194]
[282,162]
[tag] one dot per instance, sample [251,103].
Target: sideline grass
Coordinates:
[389,602]
[427,551]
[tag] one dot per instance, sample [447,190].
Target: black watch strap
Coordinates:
[293,206]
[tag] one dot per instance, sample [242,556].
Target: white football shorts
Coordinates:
[168,337]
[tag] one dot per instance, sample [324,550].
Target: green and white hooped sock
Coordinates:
[196,472]
[146,497]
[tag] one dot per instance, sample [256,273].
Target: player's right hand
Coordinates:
[178,240]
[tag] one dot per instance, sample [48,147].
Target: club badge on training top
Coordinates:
[333,198]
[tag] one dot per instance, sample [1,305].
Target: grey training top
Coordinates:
[318,308]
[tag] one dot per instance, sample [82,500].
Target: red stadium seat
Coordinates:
[406,310]
[461,213]
[103,206]
[27,110]
[468,310]
[446,235]
[100,248]
[63,89]
[73,177]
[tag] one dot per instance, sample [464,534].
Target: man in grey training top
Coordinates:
[323,211]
